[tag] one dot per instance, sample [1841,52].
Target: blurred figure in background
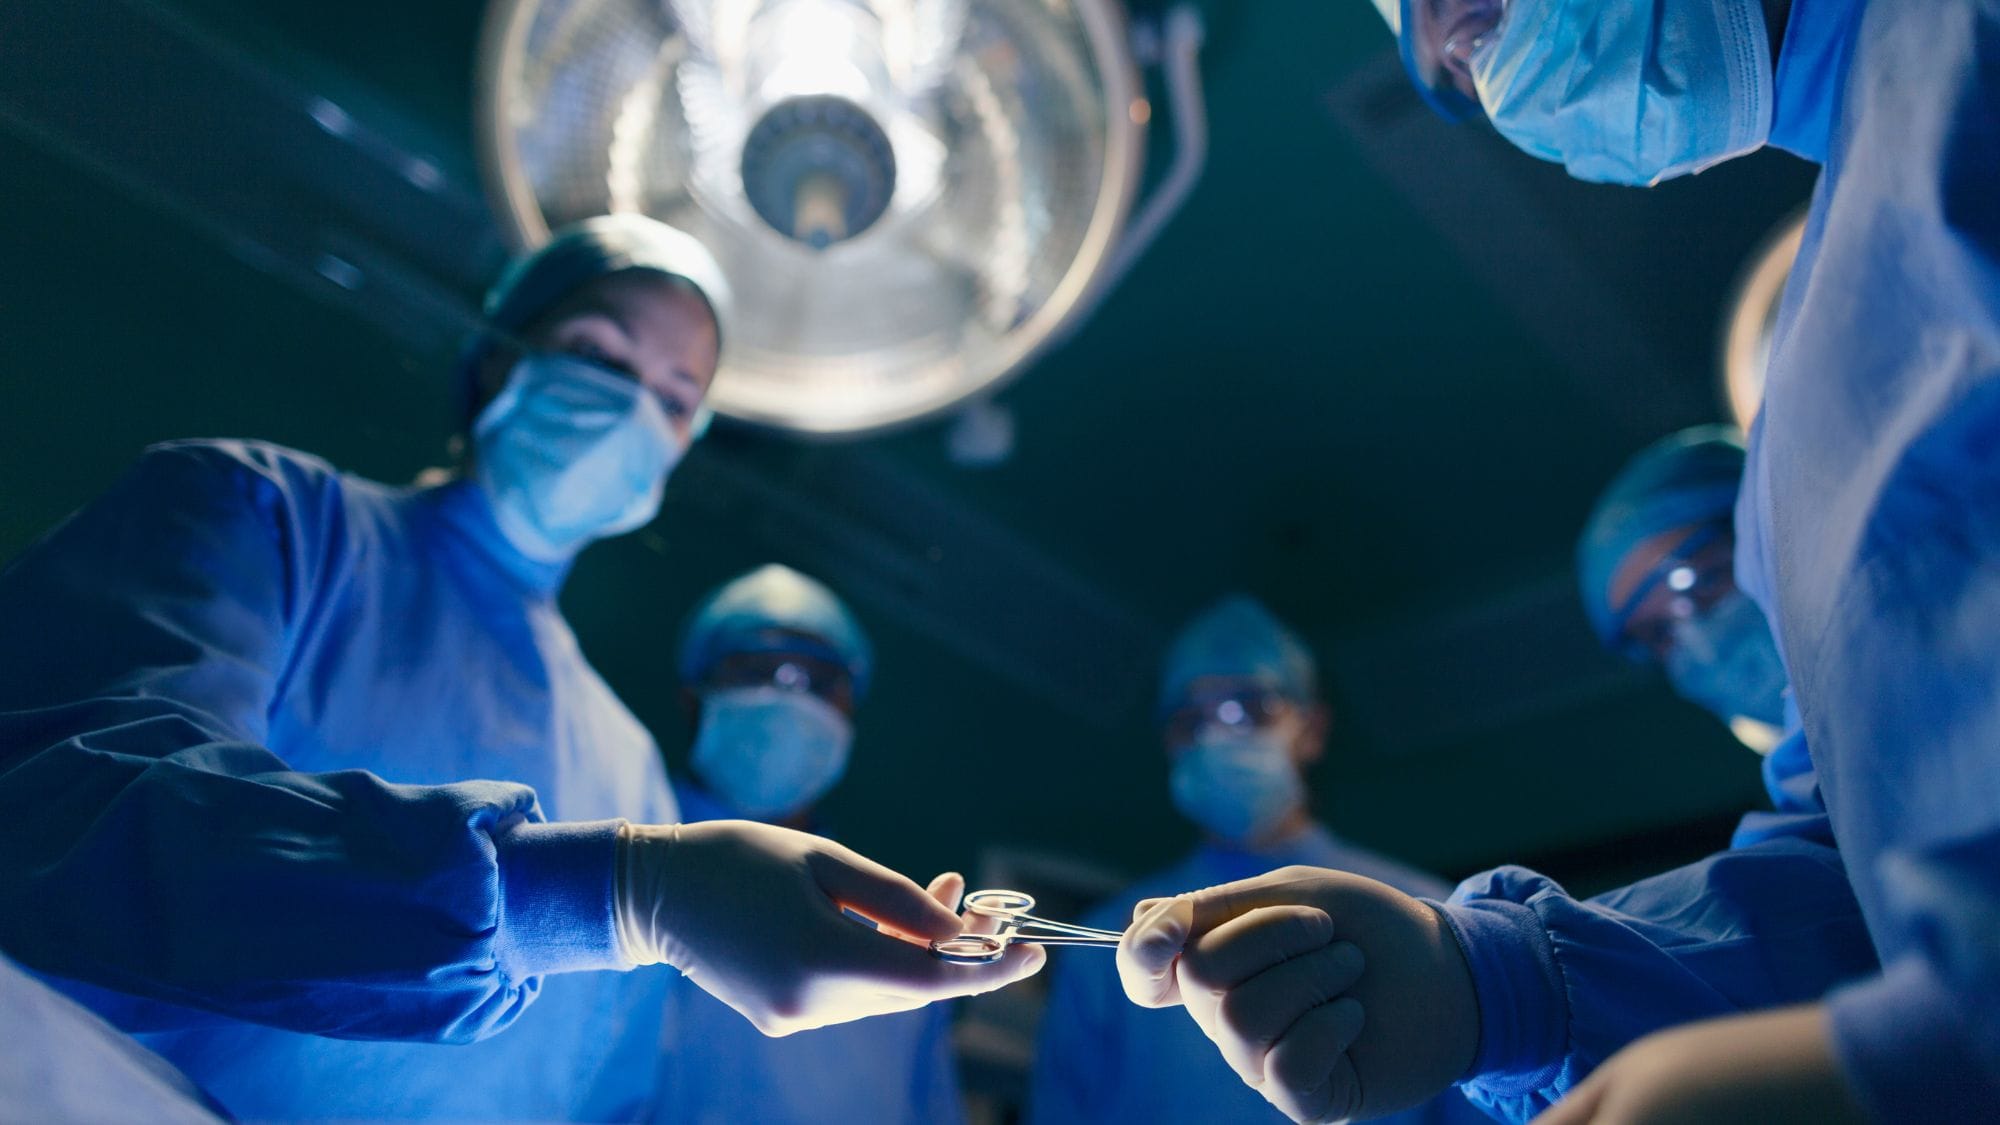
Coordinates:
[774,666]
[1242,719]
[1656,563]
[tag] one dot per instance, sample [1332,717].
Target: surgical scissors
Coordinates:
[1011,910]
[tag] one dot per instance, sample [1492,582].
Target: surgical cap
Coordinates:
[582,253]
[743,615]
[1682,480]
[1238,639]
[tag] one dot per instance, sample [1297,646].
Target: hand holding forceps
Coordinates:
[1011,910]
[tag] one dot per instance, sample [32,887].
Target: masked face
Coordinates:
[1725,660]
[1240,786]
[769,752]
[1628,92]
[569,452]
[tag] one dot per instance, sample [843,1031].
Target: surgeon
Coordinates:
[1656,566]
[774,665]
[1242,719]
[1868,534]
[304,776]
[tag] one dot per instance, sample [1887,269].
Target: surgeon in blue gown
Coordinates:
[1869,524]
[304,777]
[1242,718]
[774,666]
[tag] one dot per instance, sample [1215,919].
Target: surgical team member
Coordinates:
[1242,720]
[1870,534]
[247,701]
[1656,566]
[774,666]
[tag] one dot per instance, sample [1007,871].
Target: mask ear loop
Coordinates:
[1674,560]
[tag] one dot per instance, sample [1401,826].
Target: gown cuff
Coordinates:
[1905,1049]
[556,885]
[1523,1018]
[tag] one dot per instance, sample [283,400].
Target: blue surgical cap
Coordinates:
[743,615]
[1682,480]
[1238,639]
[581,253]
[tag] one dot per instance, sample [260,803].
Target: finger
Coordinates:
[1147,953]
[1579,1106]
[1248,944]
[1218,904]
[855,882]
[1144,907]
[911,970]
[947,888]
[1307,1073]
[1253,1016]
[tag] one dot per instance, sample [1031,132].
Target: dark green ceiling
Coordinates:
[1310,389]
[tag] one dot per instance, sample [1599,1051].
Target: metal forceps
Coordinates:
[1011,910]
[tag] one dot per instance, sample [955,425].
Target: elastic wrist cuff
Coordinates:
[1523,1023]
[556,887]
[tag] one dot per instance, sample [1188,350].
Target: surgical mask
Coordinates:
[1725,660]
[1628,91]
[769,752]
[569,452]
[1239,787]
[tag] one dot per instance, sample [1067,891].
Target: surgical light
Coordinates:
[1753,314]
[911,198]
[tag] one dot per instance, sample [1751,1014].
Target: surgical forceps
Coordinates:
[1011,910]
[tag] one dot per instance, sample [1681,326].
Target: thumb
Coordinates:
[1150,947]
[880,895]
[947,888]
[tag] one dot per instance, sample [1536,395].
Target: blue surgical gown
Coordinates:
[246,704]
[1870,533]
[62,1063]
[1100,1058]
[717,1068]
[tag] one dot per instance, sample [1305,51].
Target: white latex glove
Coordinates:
[753,914]
[1333,995]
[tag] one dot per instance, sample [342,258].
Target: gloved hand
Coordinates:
[753,914]
[1766,1068]
[1333,995]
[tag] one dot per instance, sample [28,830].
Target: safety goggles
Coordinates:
[1240,710]
[1437,42]
[796,667]
[1686,583]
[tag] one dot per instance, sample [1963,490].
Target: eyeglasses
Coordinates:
[1685,583]
[818,675]
[1244,710]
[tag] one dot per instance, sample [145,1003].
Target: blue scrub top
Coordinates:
[718,1069]
[1101,1058]
[243,703]
[1869,531]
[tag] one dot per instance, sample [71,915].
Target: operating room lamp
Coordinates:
[1753,314]
[911,198]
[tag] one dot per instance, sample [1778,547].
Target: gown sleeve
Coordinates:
[153,849]
[1564,983]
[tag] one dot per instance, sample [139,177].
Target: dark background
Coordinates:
[1374,374]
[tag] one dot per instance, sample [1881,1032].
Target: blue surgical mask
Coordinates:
[769,752]
[1239,787]
[569,452]
[1726,661]
[1628,91]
